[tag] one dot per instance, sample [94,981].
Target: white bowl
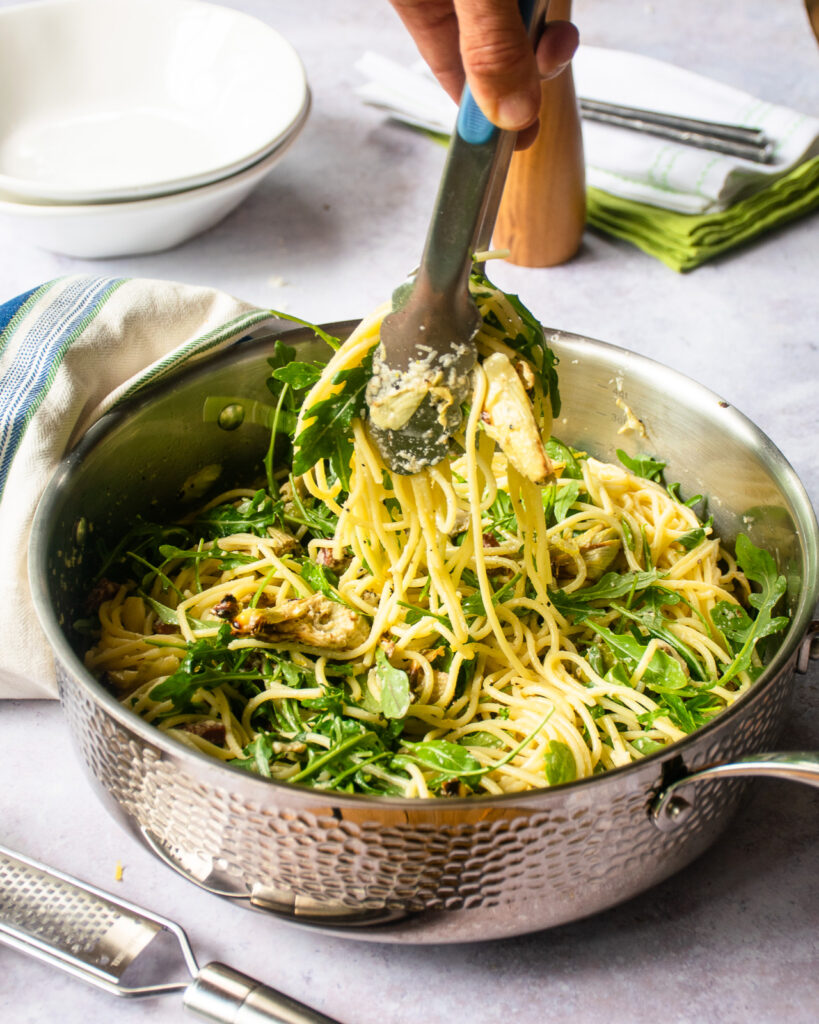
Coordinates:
[98,230]
[107,100]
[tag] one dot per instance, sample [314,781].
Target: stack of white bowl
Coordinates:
[129,126]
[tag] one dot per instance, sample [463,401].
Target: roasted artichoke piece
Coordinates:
[282,541]
[314,621]
[509,419]
[598,549]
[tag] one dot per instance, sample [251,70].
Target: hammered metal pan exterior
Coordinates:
[497,867]
[418,871]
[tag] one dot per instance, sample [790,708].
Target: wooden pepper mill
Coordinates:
[543,210]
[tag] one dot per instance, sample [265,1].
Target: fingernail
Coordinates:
[516,110]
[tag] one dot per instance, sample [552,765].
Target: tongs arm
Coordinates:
[422,368]
[471,187]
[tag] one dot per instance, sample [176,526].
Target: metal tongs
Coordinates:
[101,939]
[422,368]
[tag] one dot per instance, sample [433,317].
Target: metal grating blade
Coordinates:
[40,908]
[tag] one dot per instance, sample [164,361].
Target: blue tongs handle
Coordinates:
[472,125]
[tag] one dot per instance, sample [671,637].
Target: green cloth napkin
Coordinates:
[684,241]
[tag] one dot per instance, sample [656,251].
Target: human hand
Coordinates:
[485,43]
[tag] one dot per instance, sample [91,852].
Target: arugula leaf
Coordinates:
[566,497]
[154,572]
[332,699]
[356,736]
[320,579]
[691,539]
[694,537]
[645,746]
[674,490]
[679,713]
[300,376]
[168,615]
[452,759]
[253,515]
[733,622]
[473,603]
[327,432]
[651,618]
[610,586]
[296,675]
[619,675]
[288,382]
[559,452]
[619,584]
[648,718]
[416,614]
[258,755]
[481,738]
[647,560]
[548,494]
[282,355]
[228,559]
[570,606]
[318,519]
[742,632]
[328,339]
[662,673]
[440,755]
[395,688]
[356,767]
[165,614]
[501,515]
[642,465]
[209,662]
[594,656]
[560,765]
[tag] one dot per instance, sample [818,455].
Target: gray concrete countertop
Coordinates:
[734,938]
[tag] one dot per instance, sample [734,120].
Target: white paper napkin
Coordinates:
[620,161]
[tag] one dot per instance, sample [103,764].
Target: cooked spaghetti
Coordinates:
[520,615]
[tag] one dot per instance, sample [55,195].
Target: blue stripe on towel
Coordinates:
[9,309]
[25,382]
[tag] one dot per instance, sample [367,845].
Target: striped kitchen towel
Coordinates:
[69,351]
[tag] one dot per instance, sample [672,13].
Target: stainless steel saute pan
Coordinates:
[439,870]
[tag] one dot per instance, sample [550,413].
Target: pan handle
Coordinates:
[669,810]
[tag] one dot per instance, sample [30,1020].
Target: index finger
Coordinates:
[433,26]
[499,61]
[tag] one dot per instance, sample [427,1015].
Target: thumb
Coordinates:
[499,61]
